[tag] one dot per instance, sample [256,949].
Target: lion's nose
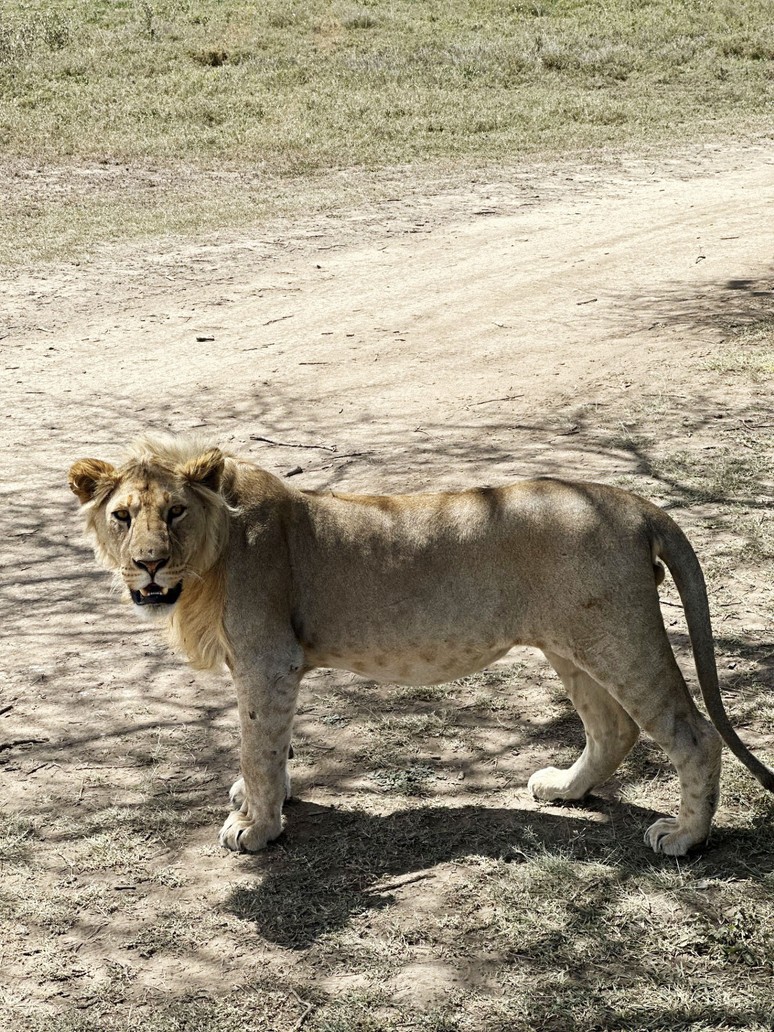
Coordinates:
[151,566]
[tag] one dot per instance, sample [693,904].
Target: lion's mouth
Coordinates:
[154,594]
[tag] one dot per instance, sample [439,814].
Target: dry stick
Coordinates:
[280,318]
[22,741]
[288,444]
[508,397]
[307,1012]
[40,766]
[391,886]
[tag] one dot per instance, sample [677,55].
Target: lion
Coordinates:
[272,581]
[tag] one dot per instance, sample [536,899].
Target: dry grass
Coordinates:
[751,356]
[169,117]
[313,85]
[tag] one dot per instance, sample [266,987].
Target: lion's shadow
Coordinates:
[333,864]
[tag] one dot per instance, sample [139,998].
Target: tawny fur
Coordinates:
[416,589]
[195,625]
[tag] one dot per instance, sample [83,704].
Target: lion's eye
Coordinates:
[122,515]
[176,511]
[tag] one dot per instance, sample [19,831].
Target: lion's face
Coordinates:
[155,523]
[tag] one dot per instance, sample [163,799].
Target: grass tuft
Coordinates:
[17,839]
[211,57]
[360,19]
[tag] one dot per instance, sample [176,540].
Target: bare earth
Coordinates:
[444,338]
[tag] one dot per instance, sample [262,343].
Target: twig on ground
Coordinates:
[391,886]
[21,741]
[293,444]
[489,401]
[279,318]
[304,1003]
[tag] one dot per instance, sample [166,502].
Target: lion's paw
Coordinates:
[244,835]
[670,837]
[551,783]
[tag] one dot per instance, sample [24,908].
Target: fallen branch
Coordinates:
[22,741]
[391,886]
[309,1008]
[291,444]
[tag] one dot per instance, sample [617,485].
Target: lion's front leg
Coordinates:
[238,793]
[267,704]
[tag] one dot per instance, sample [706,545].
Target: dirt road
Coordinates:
[456,312]
[444,338]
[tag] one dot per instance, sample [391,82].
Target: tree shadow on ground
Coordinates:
[331,863]
[54,598]
[732,302]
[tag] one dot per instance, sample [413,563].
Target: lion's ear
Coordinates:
[87,476]
[206,469]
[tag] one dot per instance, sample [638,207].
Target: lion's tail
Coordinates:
[671,545]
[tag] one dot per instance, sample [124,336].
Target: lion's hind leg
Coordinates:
[694,747]
[610,734]
[648,684]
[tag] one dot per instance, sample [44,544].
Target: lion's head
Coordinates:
[160,522]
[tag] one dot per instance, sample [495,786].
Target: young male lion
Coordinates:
[415,589]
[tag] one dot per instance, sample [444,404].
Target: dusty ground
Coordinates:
[560,321]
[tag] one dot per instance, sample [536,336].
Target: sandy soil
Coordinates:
[446,338]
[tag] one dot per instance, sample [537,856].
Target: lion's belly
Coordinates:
[424,665]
